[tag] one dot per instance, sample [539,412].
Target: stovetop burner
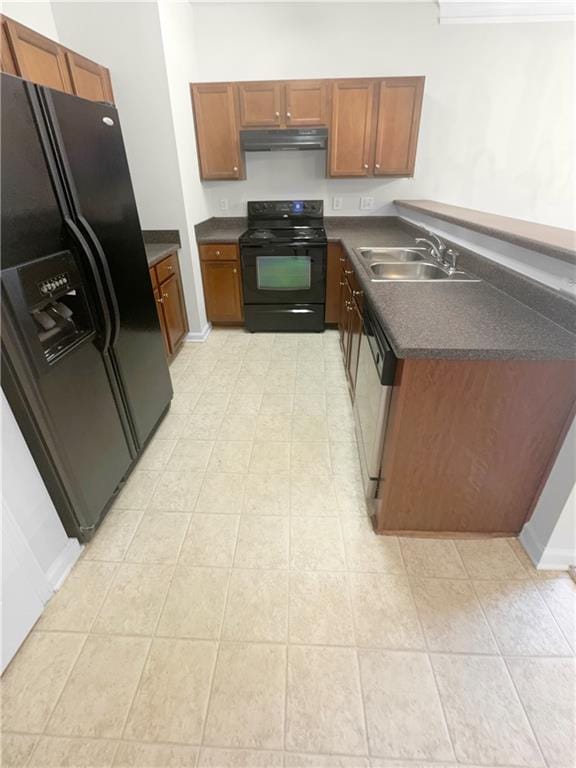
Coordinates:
[286,234]
[285,221]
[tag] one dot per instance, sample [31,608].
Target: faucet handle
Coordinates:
[451,255]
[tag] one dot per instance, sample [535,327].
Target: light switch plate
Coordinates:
[336,203]
[223,204]
[366,203]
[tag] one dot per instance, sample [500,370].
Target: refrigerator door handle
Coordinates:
[83,245]
[105,272]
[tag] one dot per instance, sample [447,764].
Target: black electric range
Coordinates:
[283,255]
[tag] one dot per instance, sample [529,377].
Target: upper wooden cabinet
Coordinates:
[260,104]
[280,104]
[351,129]
[27,54]
[89,80]
[217,135]
[37,58]
[375,126]
[399,107]
[372,122]
[306,102]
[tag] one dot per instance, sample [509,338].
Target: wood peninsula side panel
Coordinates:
[471,443]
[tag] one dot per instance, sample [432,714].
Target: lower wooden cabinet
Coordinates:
[350,321]
[165,277]
[222,280]
[333,269]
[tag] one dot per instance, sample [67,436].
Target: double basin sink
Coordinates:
[407,265]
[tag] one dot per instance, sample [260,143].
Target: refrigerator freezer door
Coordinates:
[96,169]
[66,407]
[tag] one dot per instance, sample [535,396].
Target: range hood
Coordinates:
[283,139]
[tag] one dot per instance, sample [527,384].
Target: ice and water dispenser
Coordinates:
[48,296]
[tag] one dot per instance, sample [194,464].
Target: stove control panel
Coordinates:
[285,208]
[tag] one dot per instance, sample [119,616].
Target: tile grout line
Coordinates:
[417,762]
[387,649]
[289,603]
[357,656]
[152,637]
[524,710]
[218,647]
[428,655]
[503,660]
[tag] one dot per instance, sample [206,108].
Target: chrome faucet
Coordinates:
[450,260]
[445,256]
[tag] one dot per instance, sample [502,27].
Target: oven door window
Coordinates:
[284,273]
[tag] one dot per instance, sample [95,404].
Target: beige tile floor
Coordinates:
[235,608]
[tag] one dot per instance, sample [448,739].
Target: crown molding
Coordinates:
[499,12]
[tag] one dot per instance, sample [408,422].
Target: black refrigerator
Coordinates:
[83,362]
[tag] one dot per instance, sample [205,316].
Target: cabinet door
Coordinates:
[399,107]
[159,302]
[217,136]
[355,336]
[344,317]
[222,292]
[7,62]
[89,80]
[333,277]
[260,104]
[306,102]
[174,312]
[351,131]
[37,58]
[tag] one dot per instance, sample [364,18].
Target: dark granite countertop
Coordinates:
[472,320]
[220,229]
[155,252]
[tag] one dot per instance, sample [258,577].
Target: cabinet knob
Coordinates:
[357,293]
[342,259]
[217,253]
[288,114]
[366,166]
[235,168]
[164,295]
[276,114]
[170,267]
[377,165]
[235,270]
[343,282]
[160,301]
[348,271]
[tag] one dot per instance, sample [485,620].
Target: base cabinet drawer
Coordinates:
[222,291]
[219,252]
[167,268]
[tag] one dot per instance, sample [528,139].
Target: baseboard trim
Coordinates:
[201,335]
[61,567]
[545,558]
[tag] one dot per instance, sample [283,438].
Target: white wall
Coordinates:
[126,37]
[176,25]
[36,552]
[497,124]
[549,536]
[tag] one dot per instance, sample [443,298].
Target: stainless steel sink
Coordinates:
[393,254]
[385,271]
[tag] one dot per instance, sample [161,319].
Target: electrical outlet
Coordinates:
[336,203]
[224,204]
[366,203]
